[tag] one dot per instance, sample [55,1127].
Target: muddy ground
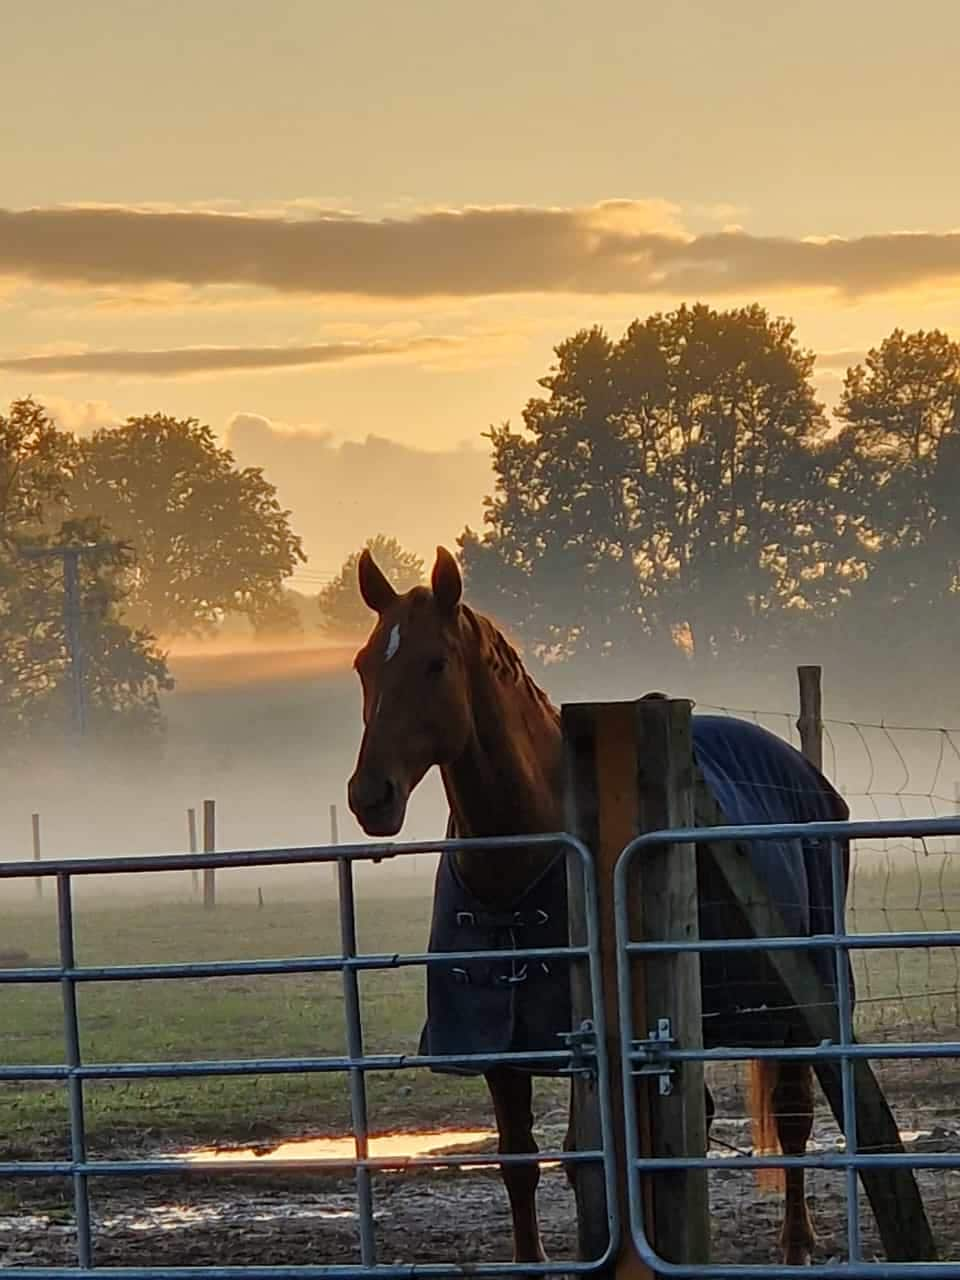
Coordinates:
[278,1219]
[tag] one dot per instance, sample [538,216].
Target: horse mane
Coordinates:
[503,660]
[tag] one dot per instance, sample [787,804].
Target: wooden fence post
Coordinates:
[629,769]
[192,837]
[209,845]
[35,824]
[810,722]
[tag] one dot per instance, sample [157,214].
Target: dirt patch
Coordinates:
[279,1218]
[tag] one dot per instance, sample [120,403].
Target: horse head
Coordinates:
[416,695]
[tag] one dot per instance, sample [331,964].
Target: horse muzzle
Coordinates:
[378,803]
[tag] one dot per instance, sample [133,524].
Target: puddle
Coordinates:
[399,1146]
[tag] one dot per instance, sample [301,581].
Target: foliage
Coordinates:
[343,612]
[210,538]
[124,670]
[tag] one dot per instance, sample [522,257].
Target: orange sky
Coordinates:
[349,236]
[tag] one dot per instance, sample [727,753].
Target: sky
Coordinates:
[349,237]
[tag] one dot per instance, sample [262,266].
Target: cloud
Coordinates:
[615,247]
[81,417]
[341,493]
[196,361]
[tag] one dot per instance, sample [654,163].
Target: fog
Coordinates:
[271,734]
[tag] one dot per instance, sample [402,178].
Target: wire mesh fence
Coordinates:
[898,884]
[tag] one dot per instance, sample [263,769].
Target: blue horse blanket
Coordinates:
[755,777]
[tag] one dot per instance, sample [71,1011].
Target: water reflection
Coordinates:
[401,1146]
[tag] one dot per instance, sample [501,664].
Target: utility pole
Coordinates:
[70,557]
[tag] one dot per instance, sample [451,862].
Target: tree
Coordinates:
[282,618]
[125,672]
[898,469]
[343,612]
[664,491]
[210,538]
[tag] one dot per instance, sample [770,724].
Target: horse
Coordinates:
[442,687]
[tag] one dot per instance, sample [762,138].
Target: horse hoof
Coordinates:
[797,1255]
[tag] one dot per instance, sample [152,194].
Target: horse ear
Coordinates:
[445,581]
[376,591]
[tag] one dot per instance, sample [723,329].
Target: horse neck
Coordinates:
[508,779]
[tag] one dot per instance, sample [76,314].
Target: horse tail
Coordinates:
[763,1081]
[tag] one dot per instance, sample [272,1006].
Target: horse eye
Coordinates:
[435,666]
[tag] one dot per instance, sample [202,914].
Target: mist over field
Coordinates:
[271,732]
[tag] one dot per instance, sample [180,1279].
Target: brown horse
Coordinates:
[443,687]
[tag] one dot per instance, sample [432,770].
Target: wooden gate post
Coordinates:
[209,844]
[629,769]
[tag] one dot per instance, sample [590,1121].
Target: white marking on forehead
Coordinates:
[393,643]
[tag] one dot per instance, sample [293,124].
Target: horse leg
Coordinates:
[512,1094]
[793,1114]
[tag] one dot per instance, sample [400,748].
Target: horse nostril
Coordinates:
[372,794]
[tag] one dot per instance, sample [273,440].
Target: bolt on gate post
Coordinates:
[629,770]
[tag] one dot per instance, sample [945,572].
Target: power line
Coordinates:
[72,614]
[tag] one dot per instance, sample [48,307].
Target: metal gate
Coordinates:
[582,1053]
[577,1056]
[653,1051]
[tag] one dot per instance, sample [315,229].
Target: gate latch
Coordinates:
[582,1044]
[649,1056]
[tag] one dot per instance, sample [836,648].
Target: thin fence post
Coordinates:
[35,824]
[810,722]
[209,845]
[629,769]
[192,836]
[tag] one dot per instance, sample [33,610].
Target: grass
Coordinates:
[269,1016]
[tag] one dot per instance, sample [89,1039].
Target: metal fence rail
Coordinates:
[635,1053]
[74,1071]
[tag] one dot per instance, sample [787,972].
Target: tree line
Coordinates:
[681,496]
[677,497]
